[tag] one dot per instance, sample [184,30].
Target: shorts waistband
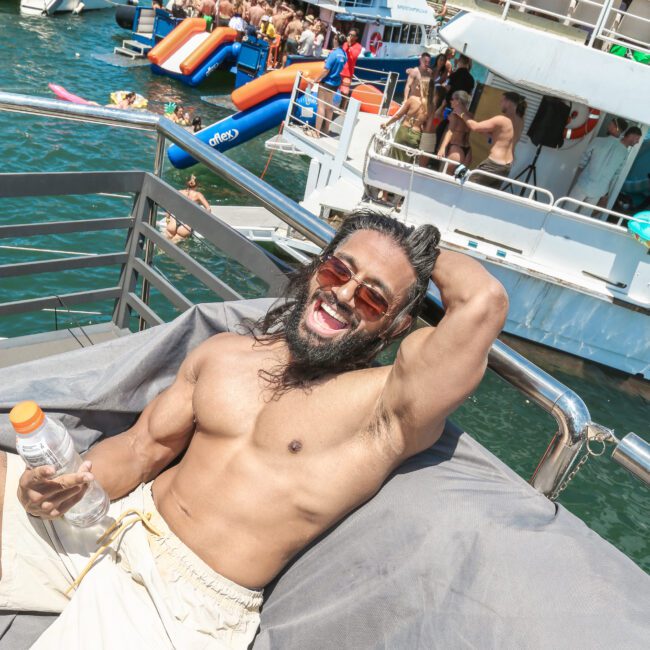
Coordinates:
[192,566]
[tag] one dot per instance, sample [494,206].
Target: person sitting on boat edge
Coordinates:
[328,83]
[255,484]
[413,115]
[175,229]
[504,130]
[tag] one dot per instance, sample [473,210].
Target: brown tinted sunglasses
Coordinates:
[333,272]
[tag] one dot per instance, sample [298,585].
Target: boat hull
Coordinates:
[49,7]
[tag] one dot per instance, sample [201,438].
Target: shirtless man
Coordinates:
[504,130]
[226,10]
[283,434]
[416,75]
[292,34]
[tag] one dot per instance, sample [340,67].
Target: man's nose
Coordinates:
[345,292]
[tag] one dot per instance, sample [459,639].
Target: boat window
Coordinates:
[388,34]
[405,34]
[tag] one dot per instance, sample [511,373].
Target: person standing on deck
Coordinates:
[292,34]
[278,434]
[601,164]
[328,83]
[417,75]
[255,13]
[505,131]
[306,40]
[319,37]
[353,50]
[461,78]
[225,11]
[412,116]
[455,142]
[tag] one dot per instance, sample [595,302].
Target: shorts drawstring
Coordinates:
[111,534]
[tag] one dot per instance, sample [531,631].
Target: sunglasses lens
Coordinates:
[371,303]
[333,273]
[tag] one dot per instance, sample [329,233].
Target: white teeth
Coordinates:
[332,313]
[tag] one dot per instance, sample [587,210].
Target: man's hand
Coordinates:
[46,497]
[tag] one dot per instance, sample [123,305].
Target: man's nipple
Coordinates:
[295,446]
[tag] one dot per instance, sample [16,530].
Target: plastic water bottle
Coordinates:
[41,440]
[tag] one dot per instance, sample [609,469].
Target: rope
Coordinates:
[268,162]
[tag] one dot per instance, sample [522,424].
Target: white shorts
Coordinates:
[428,142]
[146,591]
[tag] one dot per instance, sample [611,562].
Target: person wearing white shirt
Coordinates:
[319,38]
[306,40]
[601,164]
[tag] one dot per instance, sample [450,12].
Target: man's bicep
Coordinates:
[167,423]
[437,368]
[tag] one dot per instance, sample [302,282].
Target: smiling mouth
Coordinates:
[325,320]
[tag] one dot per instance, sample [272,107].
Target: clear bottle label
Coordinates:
[38,454]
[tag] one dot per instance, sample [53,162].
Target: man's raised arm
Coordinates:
[485,126]
[437,368]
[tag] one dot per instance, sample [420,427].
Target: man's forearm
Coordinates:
[116,464]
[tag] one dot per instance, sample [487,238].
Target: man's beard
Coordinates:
[312,355]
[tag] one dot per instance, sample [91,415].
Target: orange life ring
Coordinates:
[586,127]
[374,42]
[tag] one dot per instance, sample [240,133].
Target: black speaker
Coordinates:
[547,129]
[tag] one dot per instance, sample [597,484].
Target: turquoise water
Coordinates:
[37,51]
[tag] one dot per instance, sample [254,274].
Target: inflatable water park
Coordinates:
[263,104]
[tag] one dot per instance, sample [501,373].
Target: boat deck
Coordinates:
[32,347]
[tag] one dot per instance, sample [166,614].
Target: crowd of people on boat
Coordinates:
[286,28]
[435,119]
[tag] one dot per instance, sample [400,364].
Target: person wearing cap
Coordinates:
[266,30]
[306,40]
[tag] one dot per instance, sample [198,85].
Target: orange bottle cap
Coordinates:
[26,417]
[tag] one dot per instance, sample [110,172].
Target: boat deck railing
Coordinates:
[137,269]
[606,23]
[519,190]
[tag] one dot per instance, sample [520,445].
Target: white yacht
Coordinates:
[49,7]
[577,283]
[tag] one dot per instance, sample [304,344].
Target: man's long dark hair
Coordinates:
[421,248]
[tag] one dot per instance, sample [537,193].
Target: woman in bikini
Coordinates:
[175,229]
[413,114]
[455,142]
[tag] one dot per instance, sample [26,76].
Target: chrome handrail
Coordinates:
[561,402]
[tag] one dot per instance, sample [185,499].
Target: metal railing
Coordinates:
[566,406]
[603,22]
[448,168]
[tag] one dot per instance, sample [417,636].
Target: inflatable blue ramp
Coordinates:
[236,129]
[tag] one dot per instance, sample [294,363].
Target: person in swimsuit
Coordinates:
[505,131]
[413,115]
[455,142]
[437,103]
[417,75]
[440,73]
[175,229]
[292,36]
